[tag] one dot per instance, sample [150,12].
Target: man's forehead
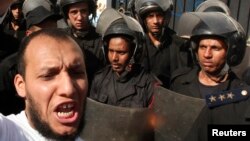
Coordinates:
[214,41]
[219,39]
[39,40]
[45,48]
[42,42]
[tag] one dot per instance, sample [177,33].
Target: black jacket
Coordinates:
[172,54]
[236,112]
[19,34]
[131,89]
[9,44]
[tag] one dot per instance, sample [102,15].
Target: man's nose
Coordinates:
[208,53]
[114,56]
[155,19]
[79,16]
[66,85]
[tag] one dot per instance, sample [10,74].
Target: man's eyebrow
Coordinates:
[76,64]
[49,68]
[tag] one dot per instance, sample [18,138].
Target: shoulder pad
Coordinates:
[227,97]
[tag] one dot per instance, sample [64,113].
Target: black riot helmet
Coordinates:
[16,2]
[143,7]
[213,6]
[117,28]
[222,26]
[184,27]
[30,5]
[64,6]
[113,23]
[37,11]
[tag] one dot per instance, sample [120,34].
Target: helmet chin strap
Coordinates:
[80,33]
[224,70]
[129,67]
[157,35]
[222,75]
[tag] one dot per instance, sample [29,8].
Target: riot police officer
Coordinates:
[217,49]
[14,23]
[76,14]
[124,82]
[164,51]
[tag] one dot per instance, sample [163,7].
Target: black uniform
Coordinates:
[91,44]
[9,44]
[20,33]
[171,55]
[223,109]
[131,89]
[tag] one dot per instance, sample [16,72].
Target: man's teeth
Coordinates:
[67,106]
[65,110]
[65,114]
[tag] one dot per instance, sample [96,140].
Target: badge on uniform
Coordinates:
[227,97]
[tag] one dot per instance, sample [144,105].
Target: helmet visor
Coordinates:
[109,16]
[163,4]
[205,23]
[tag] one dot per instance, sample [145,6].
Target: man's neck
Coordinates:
[211,80]
[155,41]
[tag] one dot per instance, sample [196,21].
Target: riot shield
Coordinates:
[172,118]
[176,115]
[111,123]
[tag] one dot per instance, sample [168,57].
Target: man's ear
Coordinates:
[20,85]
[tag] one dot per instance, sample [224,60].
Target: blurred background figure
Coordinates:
[14,23]
[9,44]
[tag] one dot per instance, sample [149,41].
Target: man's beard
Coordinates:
[44,128]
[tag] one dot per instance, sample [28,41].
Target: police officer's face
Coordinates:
[212,55]
[79,16]
[118,54]
[154,22]
[54,87]
[16,11]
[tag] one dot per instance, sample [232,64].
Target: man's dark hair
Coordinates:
[57,34]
